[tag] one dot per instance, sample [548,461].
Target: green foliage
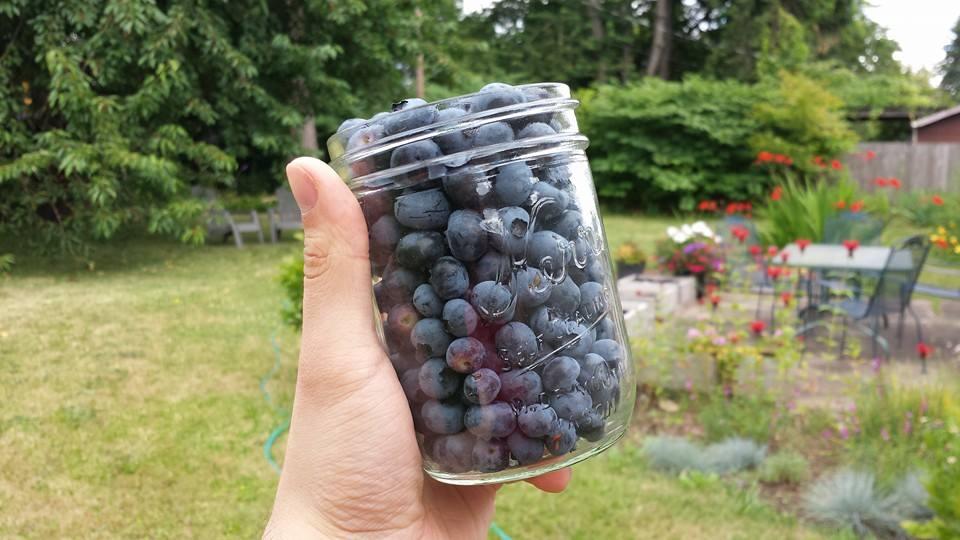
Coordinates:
[672,454]
[950,67]
[291,280]
[804,207]
[785,468]
[751,416]
[943,478]
[6,262]
[678,455]
[657,144]
[733,455]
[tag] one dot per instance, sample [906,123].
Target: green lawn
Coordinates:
[131,408]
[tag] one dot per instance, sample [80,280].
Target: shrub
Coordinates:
[672,454]
[747,415]
[785,468]
[657,144]
[943,478]
[677,455]
[291,280]
[733,455]
[803,206]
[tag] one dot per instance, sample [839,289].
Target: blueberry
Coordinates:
[516,344]
[409,114]
[375,205]
[590,425]
[365,137]
[557,175]
[591,271]
[482,386]
[410,381]
[460,317]
[496,420]
[591,366]
[457,140]
[384,235]
[606,329]
[563,438]
[550,252]
[536,129]
[454,452]
[396,287]
[443,417]
[493,266]
[493,133]
[492,301]
[495,96]
[465,355]
[568,224]
[546,202]
[565,297]
[524,449]
[560,374]
[569,404]
[509,231]
[449,278]
[520,387]
[426,301]
[491,456]
[350,124]
[601,381]
[400,322]
[553,328]
[593,301]
[419,250]
[430,338]
[424,210]
[437,380]
[536,420]
[514,183]
[533,288]
[466,235]
[610,350]
[578,342]
[469,189]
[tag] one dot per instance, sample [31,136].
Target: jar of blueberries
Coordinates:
[493,280]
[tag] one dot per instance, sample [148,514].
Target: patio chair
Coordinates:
[857,226]
[285,216]
[892,294]
[221,223]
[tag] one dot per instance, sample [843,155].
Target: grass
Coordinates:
[131,408]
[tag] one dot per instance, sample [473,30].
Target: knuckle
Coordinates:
[317,257]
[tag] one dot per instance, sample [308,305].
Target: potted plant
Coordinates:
[630,259]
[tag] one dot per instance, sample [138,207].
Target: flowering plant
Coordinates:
[727,350]
[946,240]
[692,249]
[629,253]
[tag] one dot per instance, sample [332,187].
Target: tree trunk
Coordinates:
[596,29]
[308,134]
[658,63]
[419,76]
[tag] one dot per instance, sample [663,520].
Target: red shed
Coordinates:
[939,127]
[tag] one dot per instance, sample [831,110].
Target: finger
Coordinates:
[338,326]
[553,482]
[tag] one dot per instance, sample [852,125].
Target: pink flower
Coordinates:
[693,333]
[719,341]
[842,431]
[885,434]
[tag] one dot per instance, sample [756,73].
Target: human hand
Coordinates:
[352,465]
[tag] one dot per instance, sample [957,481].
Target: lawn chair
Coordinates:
[285,216]
[221,223]
[892,294]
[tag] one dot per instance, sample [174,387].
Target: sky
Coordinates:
[921,27]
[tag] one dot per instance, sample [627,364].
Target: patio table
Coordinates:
[836,257]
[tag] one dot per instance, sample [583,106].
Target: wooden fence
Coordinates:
[921,167]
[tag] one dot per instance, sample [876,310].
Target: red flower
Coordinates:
[937,200]
[818,161]
[942,243]
[880,181]
[836,164]
[696,268]
[856,206]
[715,300]
[740,232]
[802,243]
[924,350]
[780,158]
[869,154]
[777,194]
[732,208]
[788,160]
[851,246]
[757,327]
[894,183]
[840,205]
[707,206]
[773,272]
[772,251]
[786,297]
[755,250]
[764,157]
[784,257]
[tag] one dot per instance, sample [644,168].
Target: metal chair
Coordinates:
[221,223]
[892,294]
[285,216]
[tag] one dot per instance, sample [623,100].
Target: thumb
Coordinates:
[338,325]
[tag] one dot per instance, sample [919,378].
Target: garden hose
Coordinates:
[284,425]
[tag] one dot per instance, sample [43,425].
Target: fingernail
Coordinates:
[303,188]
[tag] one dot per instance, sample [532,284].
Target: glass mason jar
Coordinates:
[493,280]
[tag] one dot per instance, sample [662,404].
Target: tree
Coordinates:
[112,110]
[950,67]
[658,63]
